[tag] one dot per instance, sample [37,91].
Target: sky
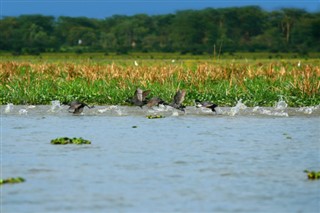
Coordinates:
[105,8]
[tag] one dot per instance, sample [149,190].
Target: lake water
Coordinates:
[239,160]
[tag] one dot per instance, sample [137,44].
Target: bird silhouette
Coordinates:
[76,107]
[178,99]
[155,101]
[139,98]
[206,104]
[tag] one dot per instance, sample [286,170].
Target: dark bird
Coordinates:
[206,104]
[76,107]
[155,101]
[139,98]
[178,99]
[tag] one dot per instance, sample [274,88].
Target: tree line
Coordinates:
[209,30]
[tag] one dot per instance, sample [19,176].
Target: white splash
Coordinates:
[269,112]
[119,112]
[55,105]
[281,105]
[31,106]
[175,113]
[8,108]
[307,110]
[23,112]
[112,107]
[236,109]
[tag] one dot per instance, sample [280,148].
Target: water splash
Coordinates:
[23,112]
[307,110]
[108,108]
[120,112]
[281,105]
[272,113]
[160,108]
[236,109]
[8,108]
[175,113]
[55,105]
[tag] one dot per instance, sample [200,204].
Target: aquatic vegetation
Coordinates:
[12,180]
[312,175]
[66,140]
[221,82]
[154,116]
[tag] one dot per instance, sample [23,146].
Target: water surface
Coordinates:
[238,160]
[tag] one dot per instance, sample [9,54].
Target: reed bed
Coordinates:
[256,83]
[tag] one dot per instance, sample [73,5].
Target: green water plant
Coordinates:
[312,175]
[258,83]
[12,180]
[66,140]
[154,116]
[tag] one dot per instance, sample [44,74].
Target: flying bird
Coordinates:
[155,101]
[76,107]
[139,98]
[206,104]
[178,99]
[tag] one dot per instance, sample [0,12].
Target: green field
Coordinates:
[259,79]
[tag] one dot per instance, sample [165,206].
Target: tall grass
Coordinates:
[256,83]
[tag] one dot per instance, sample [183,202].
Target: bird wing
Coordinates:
[75,106]
[145,94]
[179,97]
[138,94]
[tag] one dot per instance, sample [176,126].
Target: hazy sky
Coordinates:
[107,8]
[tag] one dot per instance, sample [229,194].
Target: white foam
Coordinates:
[23,112]
[8,108]
[175,113]
[307,110]
[55,105]
[281,105]
[236,109]
[108,108]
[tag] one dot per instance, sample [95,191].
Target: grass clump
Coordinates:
[222,82]
[66,140]
[12,180]
[312,175]
[154,116]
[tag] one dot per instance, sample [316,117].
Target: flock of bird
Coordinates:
[140,99]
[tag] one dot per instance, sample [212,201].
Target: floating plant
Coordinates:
[312,175]
[12,180]
[154,116]
[66,140]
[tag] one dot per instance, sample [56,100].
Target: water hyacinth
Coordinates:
[12,180]
[66,140]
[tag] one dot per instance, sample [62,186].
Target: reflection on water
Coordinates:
[241,159]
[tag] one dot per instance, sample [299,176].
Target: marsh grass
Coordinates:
[223,82]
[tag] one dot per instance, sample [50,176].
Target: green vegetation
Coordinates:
[154,116]
[66,140]
[257,82]
[312,175]
[218,32]
[12,180]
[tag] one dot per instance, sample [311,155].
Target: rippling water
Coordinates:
[240,159]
